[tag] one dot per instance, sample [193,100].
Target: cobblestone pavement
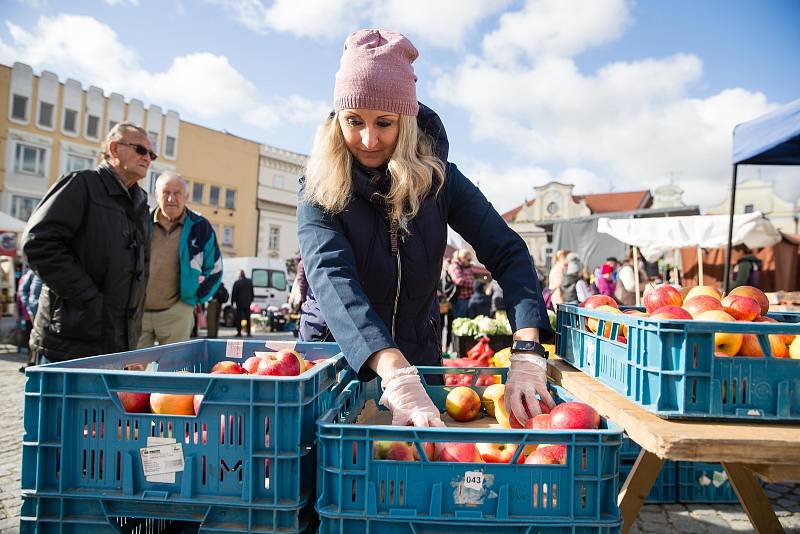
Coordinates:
[659,519]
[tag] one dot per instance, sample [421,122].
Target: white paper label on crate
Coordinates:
[234,348]
[719,478]
[473,480]
[162,459]
[704,480]
[590,352]
[167,478]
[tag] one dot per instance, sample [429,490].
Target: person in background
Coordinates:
[498,305]
[446,292]
[185,265]
[625,289]
[377,198]
[605,282]
[614,263]
[555,276]
[214,307]
[747,271]
[88,240]
[242,297]
[479,301]
[460,271]
[583,287]
[569,280]
[30,288]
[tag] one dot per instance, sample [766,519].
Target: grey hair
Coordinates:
[168,176]
[115,134]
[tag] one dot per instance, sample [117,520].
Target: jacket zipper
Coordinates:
[395,243]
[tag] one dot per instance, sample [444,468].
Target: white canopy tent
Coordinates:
[10,224]
[656,236]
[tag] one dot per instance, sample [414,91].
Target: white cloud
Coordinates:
[201,84]
[632,123]
[446,23]
[121,2]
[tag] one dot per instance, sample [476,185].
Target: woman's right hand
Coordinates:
[403,392]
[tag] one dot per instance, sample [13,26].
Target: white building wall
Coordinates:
[22,85]
[73,101]
[48,94]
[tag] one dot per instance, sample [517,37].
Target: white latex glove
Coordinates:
[527,376]
[406,398]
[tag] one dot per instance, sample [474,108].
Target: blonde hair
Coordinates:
[412,167]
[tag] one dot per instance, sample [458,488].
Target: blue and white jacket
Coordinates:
[199,256]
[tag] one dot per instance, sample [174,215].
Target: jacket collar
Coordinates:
[114,187]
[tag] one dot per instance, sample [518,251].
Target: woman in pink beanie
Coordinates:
[376,200]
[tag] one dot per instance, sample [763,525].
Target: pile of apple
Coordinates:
[704,303]
[281,363]
[464,404]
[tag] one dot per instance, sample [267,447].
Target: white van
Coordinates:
[270,286]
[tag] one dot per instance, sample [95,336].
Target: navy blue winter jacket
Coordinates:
[368,299]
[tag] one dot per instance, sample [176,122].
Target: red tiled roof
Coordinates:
[509,215]
[600,203]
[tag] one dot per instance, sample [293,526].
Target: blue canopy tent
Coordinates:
[772,139]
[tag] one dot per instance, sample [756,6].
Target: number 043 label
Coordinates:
[473,480]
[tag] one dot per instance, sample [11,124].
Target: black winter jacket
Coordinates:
[368,299]
[88,242]
[242,293]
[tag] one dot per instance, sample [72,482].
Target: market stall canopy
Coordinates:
[772,139]
[10,224]
[655,236]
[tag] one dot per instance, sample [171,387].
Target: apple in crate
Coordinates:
[490,396]
[663,295]
[134,402]
[393,450]
[462,404]
[599,300]
[671,312]
[574,416]
[707,291]
[786,338]
[751,346]
[227,367]
[753,293]
[725,343]
[548,454]
[700,303]
[251,364]
[794,348]
[741,308]
[282,363]
[514,422]
[593,324]
[171,404]
[458,452]
[499,453]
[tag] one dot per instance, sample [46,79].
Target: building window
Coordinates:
[230,198]
[111,125]
[749,208]
[78,163]
[213,195]
[277,181]
[19,108]
[22,207]
[197,193]
[153,139]
[30,160]
[274,238]
[227,236]
[93,126]
[169,146]
[46,114]
[70,121]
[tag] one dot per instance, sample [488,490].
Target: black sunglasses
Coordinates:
[140,149]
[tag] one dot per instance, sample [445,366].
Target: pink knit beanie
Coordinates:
[376,73]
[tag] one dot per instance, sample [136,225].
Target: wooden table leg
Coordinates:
[637,486]
[753,499]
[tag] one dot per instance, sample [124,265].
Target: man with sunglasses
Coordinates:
[88,241]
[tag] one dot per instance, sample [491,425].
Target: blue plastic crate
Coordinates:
[250,444]
[81,515]
[352,485]
[334,524]
[668,367]
[664,489]
[700,482]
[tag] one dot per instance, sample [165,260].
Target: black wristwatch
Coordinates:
[529,347]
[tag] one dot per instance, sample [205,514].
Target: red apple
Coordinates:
[592,323]
[548,454]
[197,401]
[172,404]
[725,343]
[787,338]
[514,422]
[458,452]
[755,294]
[699,303]
[282,363]
[134,402]
[498,453]
[428,447]
[540,422]
[741,308]
[393,450]
[462,404]
[663,295]
[251,364]
[671,312]
[599,300]
[574,416]
[708,291]
[638,313]
[227,367]
[751,346]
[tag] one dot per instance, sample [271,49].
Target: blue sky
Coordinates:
[605,94]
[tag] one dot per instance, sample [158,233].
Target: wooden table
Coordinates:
[771,451]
